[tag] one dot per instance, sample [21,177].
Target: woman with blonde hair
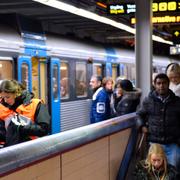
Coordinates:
[173,73]
[155,166]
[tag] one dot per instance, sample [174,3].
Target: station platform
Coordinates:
[100,151]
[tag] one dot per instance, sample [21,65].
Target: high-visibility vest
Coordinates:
[25,110]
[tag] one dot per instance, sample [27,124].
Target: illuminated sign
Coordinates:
[166,6]
[127,8]
[176,37]
[174,50]
[121,8]
[161,19]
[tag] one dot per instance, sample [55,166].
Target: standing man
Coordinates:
[100,109]
[160,119]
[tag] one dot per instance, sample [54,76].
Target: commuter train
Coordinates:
[58,70]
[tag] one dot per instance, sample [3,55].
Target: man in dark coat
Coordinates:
[160,118]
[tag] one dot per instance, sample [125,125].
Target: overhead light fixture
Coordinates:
[84,13]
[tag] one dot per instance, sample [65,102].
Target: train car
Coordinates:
[58,69]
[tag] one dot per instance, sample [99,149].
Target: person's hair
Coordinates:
[126,85]
[173,67]
[158,150]
[11,86]
[161,76]
[98,78]
[105,80]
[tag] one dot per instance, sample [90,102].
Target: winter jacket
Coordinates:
[161,117]
[128,103]
[35,114]
[141,173]
[100,108]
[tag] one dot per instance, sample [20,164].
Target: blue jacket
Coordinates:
[100,109]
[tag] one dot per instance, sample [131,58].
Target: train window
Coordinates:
[123,71]
[55,81]
[6,74]
[64,69]
[24,75]
[43,80]
[35,77]
[97,69]
[81,79]
[114,72]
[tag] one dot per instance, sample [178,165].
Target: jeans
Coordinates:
[173,154]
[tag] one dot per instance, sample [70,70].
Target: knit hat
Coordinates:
[126,85]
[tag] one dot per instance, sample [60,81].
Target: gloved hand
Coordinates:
[20,120]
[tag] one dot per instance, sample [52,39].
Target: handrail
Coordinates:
[18,156]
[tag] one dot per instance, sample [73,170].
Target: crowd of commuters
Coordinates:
[158,114]
[23,118]
[108,103]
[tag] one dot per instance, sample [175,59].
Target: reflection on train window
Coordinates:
[114,72]
[55,81]
[6,74]
[43,80]
[81,80]
[35,77]
[64,80]
[123,71]
[97,69]
[24,75]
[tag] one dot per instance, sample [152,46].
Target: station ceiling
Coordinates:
[66,23]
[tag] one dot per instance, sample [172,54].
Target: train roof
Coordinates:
[65,47]
[11,42]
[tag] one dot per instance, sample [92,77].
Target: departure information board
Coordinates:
[157,7]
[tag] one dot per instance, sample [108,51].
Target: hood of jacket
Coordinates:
[135,94]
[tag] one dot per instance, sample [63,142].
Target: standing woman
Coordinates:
[22,117]
[126,98]
[173,73]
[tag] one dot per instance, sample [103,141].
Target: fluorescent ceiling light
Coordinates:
[84,13]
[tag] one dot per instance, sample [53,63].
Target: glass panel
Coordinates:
[55,81]
[123,71]
[114,72]
[25,75]
[35,77]
[97,69]
[64,80]
[43,80]
[81,80]
[3,73]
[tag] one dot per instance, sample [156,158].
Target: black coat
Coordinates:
[128,102]
[162,118]
[141,173]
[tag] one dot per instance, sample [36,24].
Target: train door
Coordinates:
[32,72]
[55,95]
[24,72]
